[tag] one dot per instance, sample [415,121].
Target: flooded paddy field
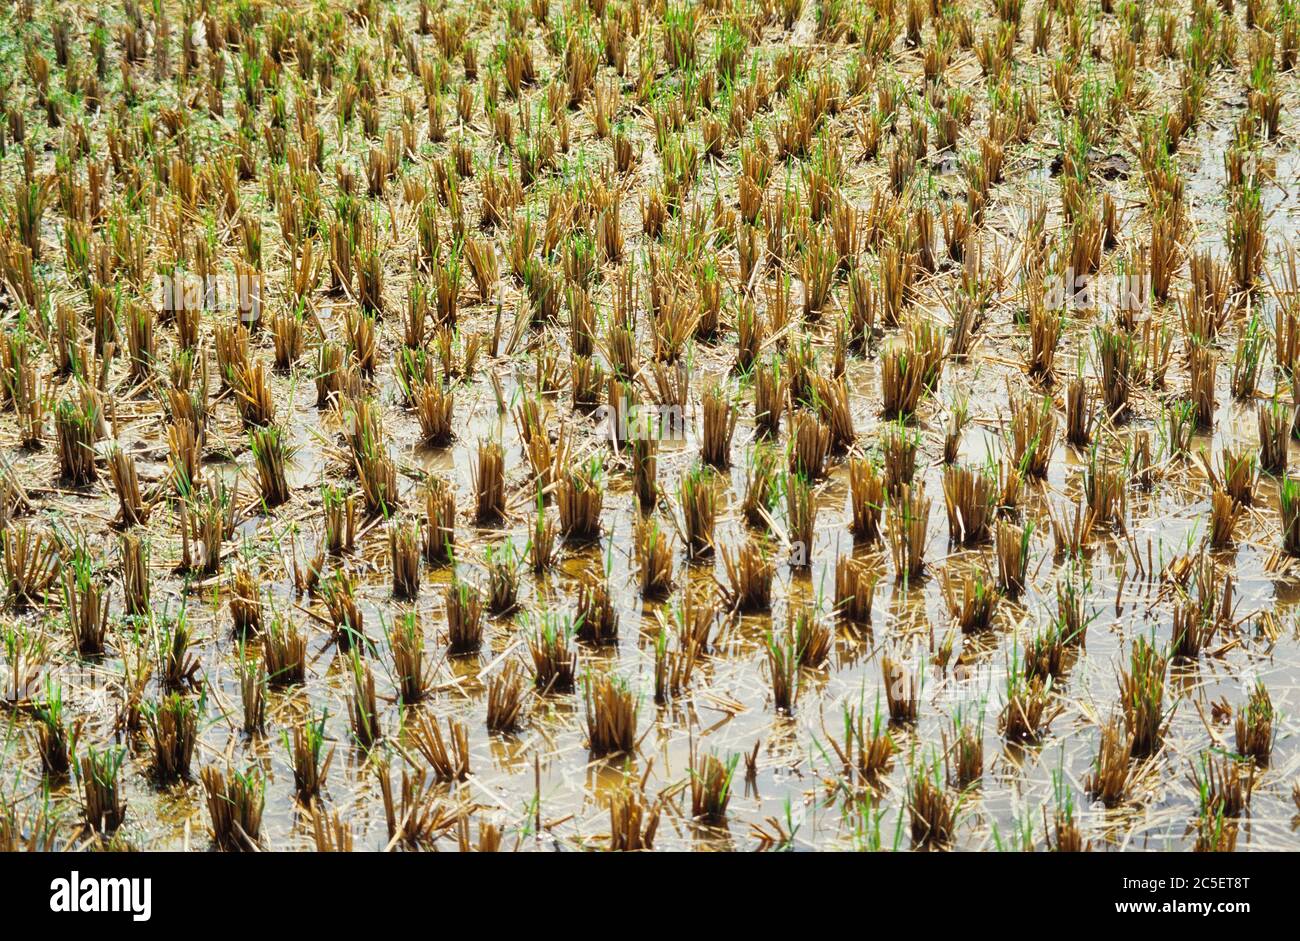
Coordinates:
[609,424]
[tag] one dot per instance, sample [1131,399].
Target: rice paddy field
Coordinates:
[649,425]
